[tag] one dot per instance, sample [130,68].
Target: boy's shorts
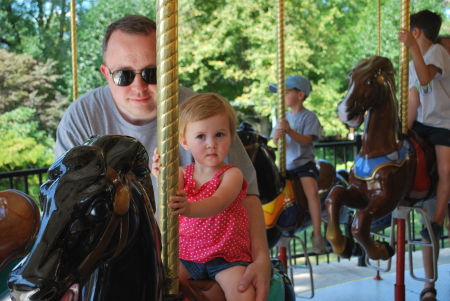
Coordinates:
[306,170]
[211,268]
[437,136]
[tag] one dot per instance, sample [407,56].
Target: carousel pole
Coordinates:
[404,72]
[281,94]
[73,39]
[167,116]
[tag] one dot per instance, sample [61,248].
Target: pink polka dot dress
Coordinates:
[223,235]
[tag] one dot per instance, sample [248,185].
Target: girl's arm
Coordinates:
[226,193]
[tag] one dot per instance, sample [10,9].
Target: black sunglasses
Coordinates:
[124,78]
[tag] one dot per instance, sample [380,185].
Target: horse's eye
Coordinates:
[370,81]
[99,211]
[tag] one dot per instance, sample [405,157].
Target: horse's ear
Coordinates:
[122,200]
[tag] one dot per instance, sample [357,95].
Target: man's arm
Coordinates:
[259,272]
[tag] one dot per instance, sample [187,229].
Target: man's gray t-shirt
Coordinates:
[95,113]
[304,122]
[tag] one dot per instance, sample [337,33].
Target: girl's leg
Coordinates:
[183,272]
[312,194]
[443,186]
[229,281]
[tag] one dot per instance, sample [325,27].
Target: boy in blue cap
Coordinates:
[302,128]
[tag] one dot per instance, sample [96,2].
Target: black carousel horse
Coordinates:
[283,199]
[98,238]
[391,168]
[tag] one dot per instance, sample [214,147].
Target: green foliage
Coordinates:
[23,144]
[25,82]
[90,32]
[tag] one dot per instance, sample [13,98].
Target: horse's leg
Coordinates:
[342,245]
[361,231]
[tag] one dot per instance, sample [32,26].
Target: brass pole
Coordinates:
[73,39]
[379,27]
[404,67]
[281,84]
[167,116]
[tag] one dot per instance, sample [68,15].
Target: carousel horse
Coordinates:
[284,202]
[391,168]
[19,221]
[98,238]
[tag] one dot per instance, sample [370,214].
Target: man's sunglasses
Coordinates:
[125,78]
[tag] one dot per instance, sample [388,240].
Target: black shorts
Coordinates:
[437,136]
[306,170]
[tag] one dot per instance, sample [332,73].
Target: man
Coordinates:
[127,106]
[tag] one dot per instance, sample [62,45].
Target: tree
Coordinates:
[23,145]
[25,82]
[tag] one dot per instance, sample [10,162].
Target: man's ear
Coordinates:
[105,71]
[301,95]
[183,143]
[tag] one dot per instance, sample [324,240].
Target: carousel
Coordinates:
[97,237]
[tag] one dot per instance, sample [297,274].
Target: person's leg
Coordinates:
[443,186]
[312,195]
[309,185]
[427,257]
[229,281]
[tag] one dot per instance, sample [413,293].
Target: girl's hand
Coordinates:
[179,204]
[155,165]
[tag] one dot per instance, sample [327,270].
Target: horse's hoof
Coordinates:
[345,249]
[358,251]
[386,250]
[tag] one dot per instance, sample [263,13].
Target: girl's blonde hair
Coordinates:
[202,106]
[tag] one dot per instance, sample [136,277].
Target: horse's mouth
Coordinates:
[356,121]
[72,293]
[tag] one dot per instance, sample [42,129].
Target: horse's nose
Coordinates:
[22,289]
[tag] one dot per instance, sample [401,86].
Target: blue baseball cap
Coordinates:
[295,81]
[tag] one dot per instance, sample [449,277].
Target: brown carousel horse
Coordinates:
[283,200]
[391,168]
[19,221]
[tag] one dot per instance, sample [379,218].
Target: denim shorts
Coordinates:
[437,136]
[306,170]
[211,268]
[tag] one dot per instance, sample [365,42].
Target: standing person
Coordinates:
[429,76]
[213,224]
[302,128]
[127,106]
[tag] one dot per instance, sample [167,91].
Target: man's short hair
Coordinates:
[427,21]
[131,24]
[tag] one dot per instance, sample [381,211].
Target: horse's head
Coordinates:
[370,82]
[89,216]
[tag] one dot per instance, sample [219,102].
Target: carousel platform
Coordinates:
[346,280]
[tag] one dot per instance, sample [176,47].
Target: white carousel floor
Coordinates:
[346,281]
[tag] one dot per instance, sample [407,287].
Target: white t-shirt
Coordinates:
[434,108]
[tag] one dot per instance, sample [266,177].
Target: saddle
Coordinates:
[426,159]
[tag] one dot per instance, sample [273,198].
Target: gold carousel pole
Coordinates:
[73,38]
[167,116]
[404,67]
[281,84]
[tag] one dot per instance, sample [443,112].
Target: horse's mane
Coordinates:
[382,70]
